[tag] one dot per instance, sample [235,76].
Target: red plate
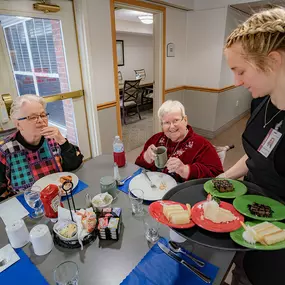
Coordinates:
[155,210]
[198,212]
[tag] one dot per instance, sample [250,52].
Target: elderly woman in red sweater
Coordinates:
[190,156]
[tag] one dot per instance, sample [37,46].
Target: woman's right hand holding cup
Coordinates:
[150,155]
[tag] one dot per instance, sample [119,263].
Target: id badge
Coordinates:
[269,142]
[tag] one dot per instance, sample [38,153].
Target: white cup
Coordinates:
[17,233]
[41,239]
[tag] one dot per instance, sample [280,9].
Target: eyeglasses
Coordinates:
[175,123]
[35,118]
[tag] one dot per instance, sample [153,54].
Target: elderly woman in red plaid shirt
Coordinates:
[35,150]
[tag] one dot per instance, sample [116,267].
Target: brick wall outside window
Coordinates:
[71,134]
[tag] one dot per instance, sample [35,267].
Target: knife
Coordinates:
[174,256]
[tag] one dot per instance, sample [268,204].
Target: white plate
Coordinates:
[55,179]
[152,194]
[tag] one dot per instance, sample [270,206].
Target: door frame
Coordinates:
[159,60]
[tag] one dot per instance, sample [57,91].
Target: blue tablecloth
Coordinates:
[125,187]
[157,268]
[80,187]
[22,272]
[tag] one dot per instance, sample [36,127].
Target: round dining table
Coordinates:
[109,262]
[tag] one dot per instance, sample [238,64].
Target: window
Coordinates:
[37,56]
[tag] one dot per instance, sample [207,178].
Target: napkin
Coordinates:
[23,272]
[8,254]
[12,210]
[157,268]
[125,188]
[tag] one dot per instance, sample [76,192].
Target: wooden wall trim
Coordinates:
[106,105]
[199,88]
[227,88]
[175,89]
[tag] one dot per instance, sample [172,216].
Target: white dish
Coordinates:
[100,207]
[55,179]
[60,225]
[153,194]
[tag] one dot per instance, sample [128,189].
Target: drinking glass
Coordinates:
[66,273]
[136,199]
[32,197]
[151,227]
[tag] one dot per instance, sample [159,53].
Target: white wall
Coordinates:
[234,18]
[212,4]
[186,4]
[205,39]
[201,108]
[138,51]
[133,27]
[101,49]
[227,108]
[176,26]
[176,31]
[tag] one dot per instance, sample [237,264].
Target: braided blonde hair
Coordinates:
[261,34]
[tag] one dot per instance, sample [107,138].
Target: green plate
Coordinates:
[241,204]
[239,189]
[236,236]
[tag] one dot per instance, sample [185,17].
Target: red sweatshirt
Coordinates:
[195,151]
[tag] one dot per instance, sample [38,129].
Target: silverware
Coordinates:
[174,256]
[151,184]
[176,248]
[3,262]
[122,182]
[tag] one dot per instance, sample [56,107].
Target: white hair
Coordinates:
[170,106]
[22,100]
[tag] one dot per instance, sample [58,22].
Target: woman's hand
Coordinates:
[176,165]
[53,133]
[149,155]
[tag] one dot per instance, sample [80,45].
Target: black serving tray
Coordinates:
[192,192]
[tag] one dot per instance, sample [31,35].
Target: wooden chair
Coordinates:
[130,98]
[222,151]
[146,92]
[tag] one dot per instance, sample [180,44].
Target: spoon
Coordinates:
[122,182]
[175,247]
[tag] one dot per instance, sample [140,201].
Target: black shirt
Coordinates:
[257,135]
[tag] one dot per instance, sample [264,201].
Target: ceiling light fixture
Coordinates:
[146,19]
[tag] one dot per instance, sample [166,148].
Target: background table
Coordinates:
[109,262]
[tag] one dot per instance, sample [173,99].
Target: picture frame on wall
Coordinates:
[120,52]
[170,50]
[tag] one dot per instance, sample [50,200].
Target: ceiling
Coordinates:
[252,7]
[129,15]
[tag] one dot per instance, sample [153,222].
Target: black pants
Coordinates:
[239,275]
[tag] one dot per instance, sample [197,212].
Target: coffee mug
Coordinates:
[161,157]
